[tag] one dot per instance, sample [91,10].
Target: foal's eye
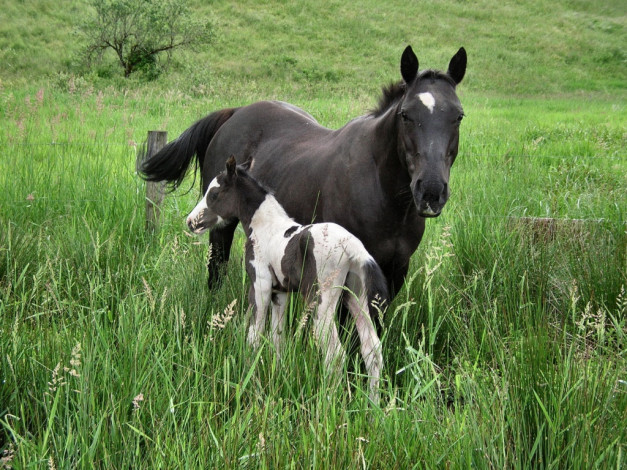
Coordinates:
[460,117]
[404,115]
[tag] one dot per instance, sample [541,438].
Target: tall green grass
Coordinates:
[506,347]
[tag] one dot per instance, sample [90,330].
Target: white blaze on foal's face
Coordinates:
[428,100]
[214,184]
[199,218]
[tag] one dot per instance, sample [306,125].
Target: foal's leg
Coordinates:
[369,340]
[259,297]
[326,330]
[220,239]
[279,302]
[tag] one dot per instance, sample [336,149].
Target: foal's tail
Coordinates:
[374,286]
[172,161]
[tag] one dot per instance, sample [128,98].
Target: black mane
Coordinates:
[395,91]
[390,95]
[243,173]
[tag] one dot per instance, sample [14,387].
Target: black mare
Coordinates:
[379,176]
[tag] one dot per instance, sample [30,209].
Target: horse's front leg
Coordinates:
[259,297]
[220,239]
[395,273]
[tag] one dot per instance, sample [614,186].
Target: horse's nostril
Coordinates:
[434,194]
[431,197]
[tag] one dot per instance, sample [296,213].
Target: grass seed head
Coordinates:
[219,320]
[137,401]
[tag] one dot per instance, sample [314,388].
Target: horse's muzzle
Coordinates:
[430,198]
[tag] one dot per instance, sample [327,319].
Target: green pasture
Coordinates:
[505,349]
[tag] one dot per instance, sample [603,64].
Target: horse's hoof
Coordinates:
[216,276]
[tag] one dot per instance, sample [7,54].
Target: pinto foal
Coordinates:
[318,260]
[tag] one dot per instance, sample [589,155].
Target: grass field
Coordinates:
[505,349]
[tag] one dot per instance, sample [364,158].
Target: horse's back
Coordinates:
[294,109]
[262,132]
[272,118]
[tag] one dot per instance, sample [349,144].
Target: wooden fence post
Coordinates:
[155,191]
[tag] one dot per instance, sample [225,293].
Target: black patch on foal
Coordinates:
[288,233]
[299,263]
[248,257]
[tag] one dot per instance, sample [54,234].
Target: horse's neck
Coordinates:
[384,149]
[386,131]
[269,218]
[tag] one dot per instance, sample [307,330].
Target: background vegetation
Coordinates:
[138,32]
[506,348]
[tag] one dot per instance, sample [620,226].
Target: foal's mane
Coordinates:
[244,174]
[393,92]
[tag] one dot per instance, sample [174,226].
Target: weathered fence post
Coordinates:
[155,191]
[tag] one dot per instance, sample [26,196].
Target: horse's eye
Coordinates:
[404,116]
[460,117]
[213,196]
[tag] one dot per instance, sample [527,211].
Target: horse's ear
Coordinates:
[230,166]
[457,65]
[409,65]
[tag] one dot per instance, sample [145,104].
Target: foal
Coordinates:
[282,256]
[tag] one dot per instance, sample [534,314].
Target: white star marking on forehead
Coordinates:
[428,100]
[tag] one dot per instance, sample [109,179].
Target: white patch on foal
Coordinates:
[214,184]
[428,100]
[201,207]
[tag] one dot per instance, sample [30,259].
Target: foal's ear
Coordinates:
[230,166]
[246,165]
[409,65]
[457,65]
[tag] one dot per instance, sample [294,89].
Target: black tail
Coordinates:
[376,290]
[172,161]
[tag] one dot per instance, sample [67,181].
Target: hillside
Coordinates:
[525,48]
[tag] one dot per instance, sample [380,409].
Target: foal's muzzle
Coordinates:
[197,224]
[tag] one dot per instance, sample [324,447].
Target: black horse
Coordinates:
[379,176]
